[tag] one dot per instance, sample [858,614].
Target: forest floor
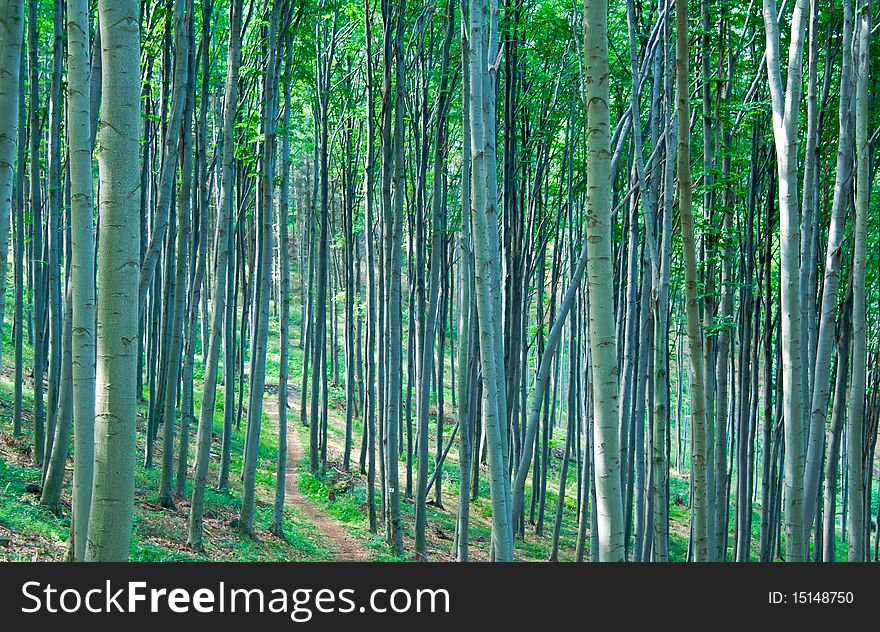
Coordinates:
[326,512]
[29,532]
[345,546]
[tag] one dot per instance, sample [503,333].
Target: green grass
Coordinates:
[159,534]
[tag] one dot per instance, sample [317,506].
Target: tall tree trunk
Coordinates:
[262,279]
[181,12]
[786,105]
[110,518]
[660,464]
[393,219]
[603,342]
[699,449]
[438,228]
[487,253]
[467,346]
[174,310]
[37,270]
[319,324]
[284,312]
[54,238]
[220,298]
[19,258]
[11,25]
[831,281]
[82,265]
[855,436]
[372,316]
[198,252]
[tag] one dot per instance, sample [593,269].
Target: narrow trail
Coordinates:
[347,547]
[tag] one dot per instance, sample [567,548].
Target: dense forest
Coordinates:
[445,280]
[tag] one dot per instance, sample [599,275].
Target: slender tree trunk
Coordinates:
[855,437]
[20,229]
[262,280]
[831,279]
[393,213]
[467,346]
[37,268]
[221,278]
[660,463]
[319,323]
[838,414]
[181,12]
[56,464]
[197,255]
[786,104]
[82,265]
[174,310]
[699,449]
[11,25]
[434,317]
[284,312]
[370,393]
[54,239]
[482,55]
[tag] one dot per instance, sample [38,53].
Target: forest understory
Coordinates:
[326,516]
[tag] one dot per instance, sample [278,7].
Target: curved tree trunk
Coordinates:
[221,279]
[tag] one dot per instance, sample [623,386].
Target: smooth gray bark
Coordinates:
[110,518]
[786,105]
[603,342]
[219,295]
[11,34]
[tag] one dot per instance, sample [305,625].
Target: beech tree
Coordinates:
[786,103]
[12,21]
[603,344]
[110,516]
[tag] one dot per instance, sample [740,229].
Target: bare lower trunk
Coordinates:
[11,24]
[786,103]
[699,449]
[220,298]
[855,434]
[603,342]
[110,519]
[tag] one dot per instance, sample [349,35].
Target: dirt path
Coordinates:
[348,548]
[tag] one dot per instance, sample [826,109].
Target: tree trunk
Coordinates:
[831,281]
[262,280]
[110,518]
[11,24]
[786,104]
[221,278]
[603,342]
[182,11]
[855,435]
[284,312]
